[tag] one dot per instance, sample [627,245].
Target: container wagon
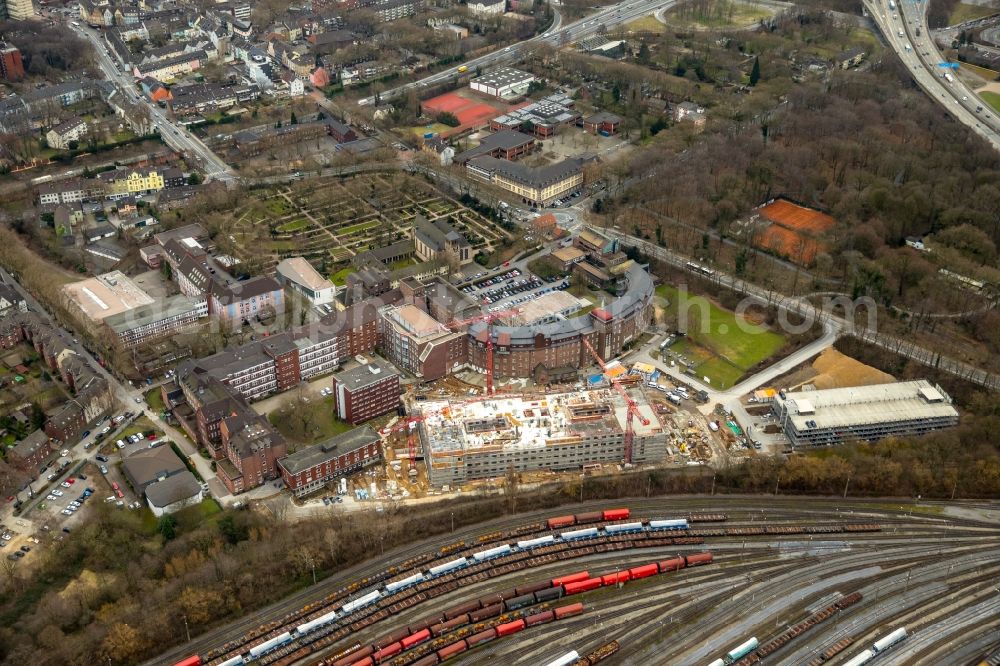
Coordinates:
[565,660]
[860,659]
[742,650]
[887,642]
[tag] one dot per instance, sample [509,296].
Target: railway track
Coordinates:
[777,515]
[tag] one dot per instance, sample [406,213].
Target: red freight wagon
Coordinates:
[388,651]
[190,661]
[481,637]
[643,571]
[583,586]
[615,578]
[449,651]
[561,521]
[354,656]
[415,639]
[671,565]
[429,660]
[539,618]
[616,514]
[571,578]
[510,628]
[699,558]
[569,611]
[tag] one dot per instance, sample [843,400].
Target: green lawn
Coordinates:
[340,277]
[991,98]
[355,228]
[293,226]
[964,12]
[277,205]
[155,400]
[719,345]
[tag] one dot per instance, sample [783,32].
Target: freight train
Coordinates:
[878,647]
[515,598]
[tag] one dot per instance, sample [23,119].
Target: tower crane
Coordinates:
[633,408]
[410,425]
[488,318]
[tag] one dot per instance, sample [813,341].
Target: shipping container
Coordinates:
[698,558]
[570,578]
[568,611]
[643,571]
[582,586]
[449,651]
[539,618]
[616,514]
[671,565]
[509,628]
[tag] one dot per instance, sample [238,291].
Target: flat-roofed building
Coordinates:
[364,392]
[547,308]
[484,438]
[149,322]
[311,468]
[416,342]
[863,413]
[298,275]
[502,82]
[105,295]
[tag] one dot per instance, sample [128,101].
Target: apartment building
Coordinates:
[252,448]
[310,469]
[417,343]
[168,69]
[369,390]
[11,65]
[149,322]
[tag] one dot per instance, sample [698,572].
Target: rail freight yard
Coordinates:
[667,581]
[476,439]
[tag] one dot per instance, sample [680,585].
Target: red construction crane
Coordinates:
[487,317]
[633,408]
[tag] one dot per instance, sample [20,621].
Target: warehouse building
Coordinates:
[311,468]
[863,413]
[485,438]
[503,82]
[369,390]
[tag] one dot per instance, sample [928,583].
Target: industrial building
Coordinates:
[502,82]
[863,413]
[103,296]
[486,437]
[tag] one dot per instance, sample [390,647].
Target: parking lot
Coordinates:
[504,291]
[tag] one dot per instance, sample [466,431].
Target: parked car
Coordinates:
[104,470]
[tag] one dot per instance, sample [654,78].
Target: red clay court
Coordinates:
[470,113]
[794,230]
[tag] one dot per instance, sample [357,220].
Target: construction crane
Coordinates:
[410,425]
[488,318]
[633,408]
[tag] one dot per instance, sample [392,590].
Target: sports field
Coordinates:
[718,345]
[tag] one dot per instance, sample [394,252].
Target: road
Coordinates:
[127,396]
[174,135]
[804,308]
[921,57]
[556,36]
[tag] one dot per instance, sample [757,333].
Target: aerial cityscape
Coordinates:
[520,332]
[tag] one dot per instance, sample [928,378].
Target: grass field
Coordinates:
[982,72]
[964,12]
[340,277]
[436,128]
[726,15]
[355,228]
[718,345]
[646,24]
[277,206]
[991,98]
[293,226]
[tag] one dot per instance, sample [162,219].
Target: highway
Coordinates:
[922,58]
[174,135]
[558,34]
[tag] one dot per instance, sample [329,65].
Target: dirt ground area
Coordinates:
[831,369]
